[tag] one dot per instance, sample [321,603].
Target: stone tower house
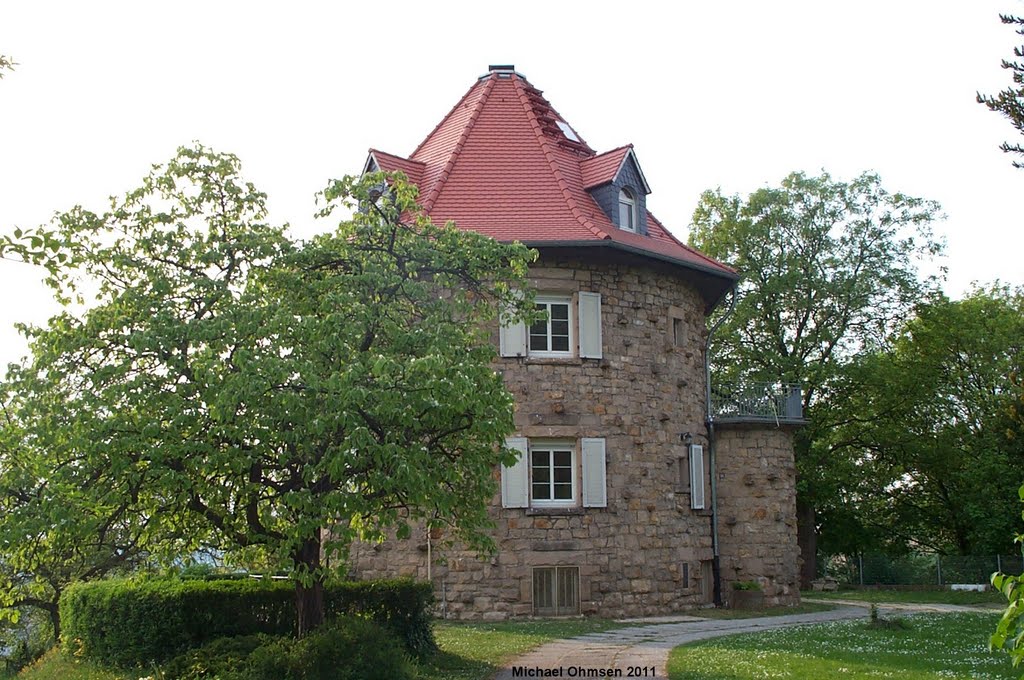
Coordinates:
[623,502]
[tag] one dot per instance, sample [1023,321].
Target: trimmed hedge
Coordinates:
[135,621]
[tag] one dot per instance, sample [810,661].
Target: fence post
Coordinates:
[860,559]
[938,567]
[999,563]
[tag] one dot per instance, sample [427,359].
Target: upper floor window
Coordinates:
[552,335]
[627,210]
[570,326]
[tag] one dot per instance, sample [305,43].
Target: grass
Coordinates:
[469,651]
[805,608]
[912,596]
[472,651]
[54,666]
[934,647]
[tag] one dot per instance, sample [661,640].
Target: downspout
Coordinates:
[716,568]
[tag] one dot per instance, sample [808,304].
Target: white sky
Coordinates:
[730,94]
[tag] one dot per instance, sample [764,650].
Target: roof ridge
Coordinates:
[552,163]
[439,183]
[582,144]
[444,119]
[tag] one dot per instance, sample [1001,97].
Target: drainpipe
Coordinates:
[716,567]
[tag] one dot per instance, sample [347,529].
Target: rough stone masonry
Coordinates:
[647,553]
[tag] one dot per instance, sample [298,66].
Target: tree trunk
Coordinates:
[55,621]
[807,539]
[309,601]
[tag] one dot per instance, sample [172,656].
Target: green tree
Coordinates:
[36,246]
[1010,102]
[830,267]
[926,420]
[59,522]
[288,397]
[1009,633]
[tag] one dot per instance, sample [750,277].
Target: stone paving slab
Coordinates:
[645,648]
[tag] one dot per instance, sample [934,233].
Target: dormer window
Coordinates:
[627,210]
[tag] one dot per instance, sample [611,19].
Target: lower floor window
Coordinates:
[556,591]
[553,474]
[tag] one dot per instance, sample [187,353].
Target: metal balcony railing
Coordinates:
[770,402]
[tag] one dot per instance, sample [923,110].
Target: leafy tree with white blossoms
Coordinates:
[274,396]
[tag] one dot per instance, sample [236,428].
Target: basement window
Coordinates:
[556,591]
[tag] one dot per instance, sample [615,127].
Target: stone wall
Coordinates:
[757,509]
[647,552]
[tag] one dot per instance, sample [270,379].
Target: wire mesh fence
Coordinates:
[919,569]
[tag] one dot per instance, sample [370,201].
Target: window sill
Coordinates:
[531,512]
[554,361]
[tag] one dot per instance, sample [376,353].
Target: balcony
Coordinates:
[777,403]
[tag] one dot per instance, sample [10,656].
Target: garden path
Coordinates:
[645,644]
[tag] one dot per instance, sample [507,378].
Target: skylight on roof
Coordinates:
[567,131]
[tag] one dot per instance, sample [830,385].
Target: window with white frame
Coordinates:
[552,473]
[551,335]
[549,473]
[627,210]
[554,335]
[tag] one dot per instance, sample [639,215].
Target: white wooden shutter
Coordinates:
[512,338]
[696,477]
[595,489]
[590,325]
[515,479]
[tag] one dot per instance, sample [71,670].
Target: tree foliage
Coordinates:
[265,390]
[1010,102]
[1009,633]
[830,268]
[926,420]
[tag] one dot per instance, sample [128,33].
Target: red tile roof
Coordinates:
[391,163]
[603,168]
[501,163]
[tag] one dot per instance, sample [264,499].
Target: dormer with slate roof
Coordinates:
[617,183]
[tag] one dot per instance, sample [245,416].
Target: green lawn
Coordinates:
[805,608]
[912,596]
[54,666]
[469,651]
[936,647]
[474,651]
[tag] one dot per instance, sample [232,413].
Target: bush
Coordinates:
[219,658]
[136,622]
[344,649]
[401,606]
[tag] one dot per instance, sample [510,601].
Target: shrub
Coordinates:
[746,585]
[219,658]
[135,622]
[344,649]
[401,606]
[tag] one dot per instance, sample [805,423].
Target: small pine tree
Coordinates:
[1010,102]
